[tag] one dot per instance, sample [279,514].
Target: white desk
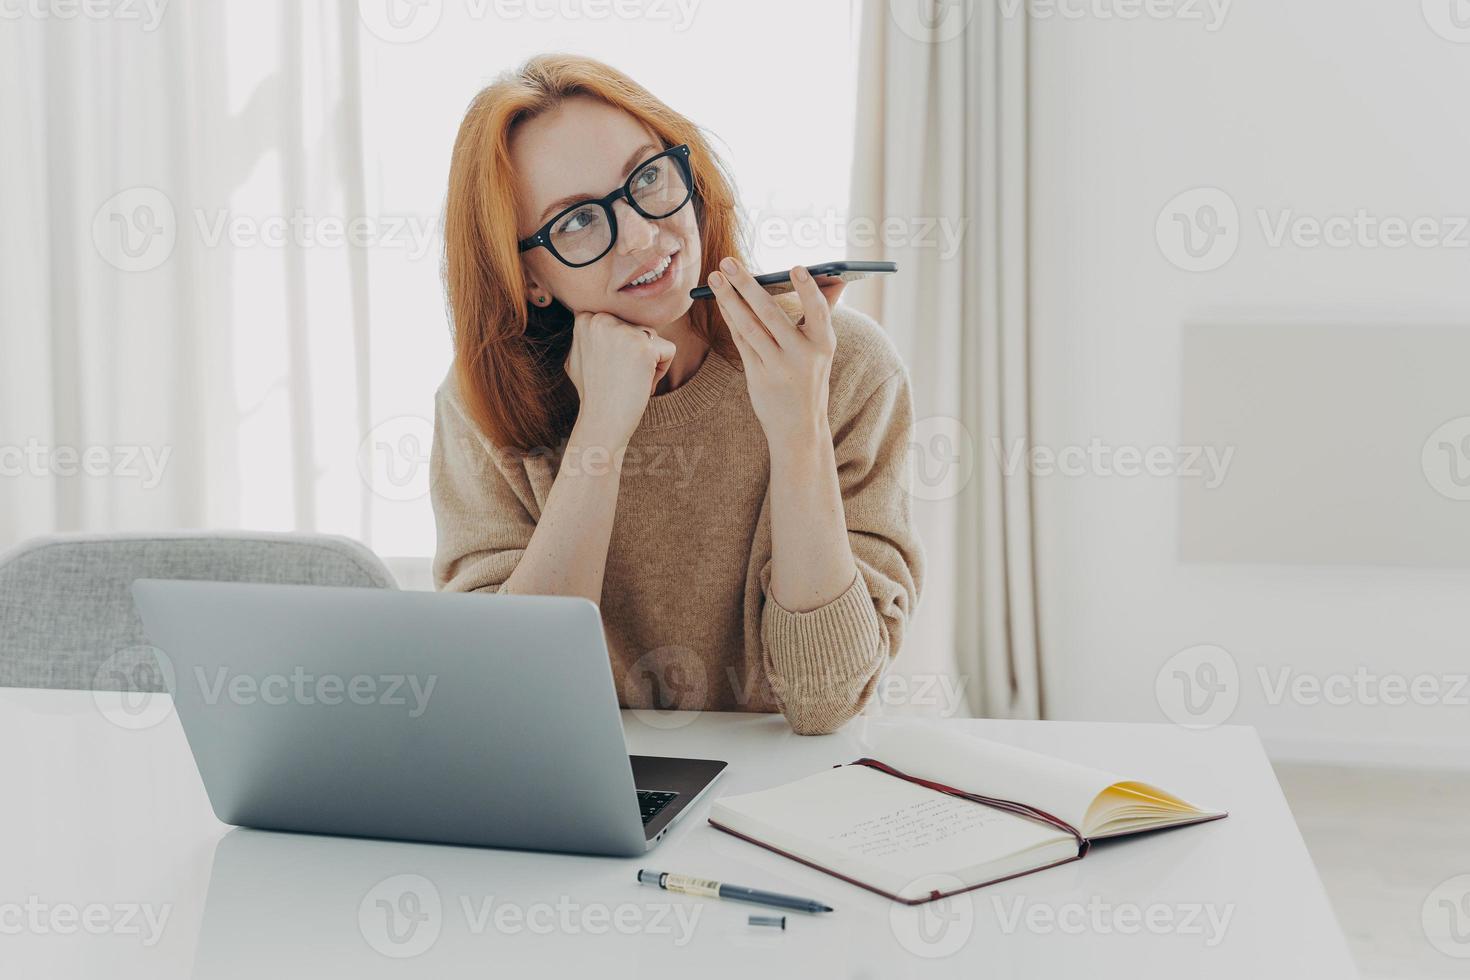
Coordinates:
[112,824]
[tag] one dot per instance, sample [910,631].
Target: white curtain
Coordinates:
[940,170]
[170,176]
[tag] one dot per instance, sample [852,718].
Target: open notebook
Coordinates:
[933,805]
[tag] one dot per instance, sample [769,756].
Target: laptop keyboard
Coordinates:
[650,802]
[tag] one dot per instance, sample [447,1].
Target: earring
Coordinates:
[542,299]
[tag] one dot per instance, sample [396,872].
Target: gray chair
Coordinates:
[66,614]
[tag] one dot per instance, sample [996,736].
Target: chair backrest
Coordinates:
[66,614]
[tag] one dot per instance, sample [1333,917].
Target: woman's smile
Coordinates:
[654,277]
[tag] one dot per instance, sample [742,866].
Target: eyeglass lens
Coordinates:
[658,189]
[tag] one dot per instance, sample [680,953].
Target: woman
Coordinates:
[724,480]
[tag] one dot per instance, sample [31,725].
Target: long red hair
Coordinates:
[508,354]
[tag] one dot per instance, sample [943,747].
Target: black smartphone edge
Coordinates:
[818,271]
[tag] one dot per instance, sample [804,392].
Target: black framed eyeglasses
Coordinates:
[583,233]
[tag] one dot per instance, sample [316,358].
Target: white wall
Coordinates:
[1324,107]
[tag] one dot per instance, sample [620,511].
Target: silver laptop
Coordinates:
[446,717]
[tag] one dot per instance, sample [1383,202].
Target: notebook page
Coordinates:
[888,832]
[987,768]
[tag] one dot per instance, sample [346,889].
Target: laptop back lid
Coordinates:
[450,717]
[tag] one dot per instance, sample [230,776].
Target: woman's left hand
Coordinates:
[787,365]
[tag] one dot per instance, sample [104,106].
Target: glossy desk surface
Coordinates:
[113,865]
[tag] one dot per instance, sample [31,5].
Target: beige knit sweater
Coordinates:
[686,608]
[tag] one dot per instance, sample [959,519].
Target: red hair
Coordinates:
[508,355]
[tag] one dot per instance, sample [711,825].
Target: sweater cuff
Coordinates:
[835,641]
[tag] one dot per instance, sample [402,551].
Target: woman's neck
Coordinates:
[689,354]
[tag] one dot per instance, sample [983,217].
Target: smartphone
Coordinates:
[780,282]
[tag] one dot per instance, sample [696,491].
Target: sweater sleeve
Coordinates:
[483,525]
[824,664]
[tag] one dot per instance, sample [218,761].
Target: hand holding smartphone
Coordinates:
[847,270]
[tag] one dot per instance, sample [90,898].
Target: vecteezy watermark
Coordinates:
[1210,14]
[393,458]
[1208,921]
[147,13]
[932,21]
[836,230]
[407,21]
[1450,19]
[666,687]
[1200,230]
[413,234]
[941,458]
[1200,687]
[400,21]
[937,21]
[403,916]
[937,928]
[40,918]
[127,686]
[137,229]
[1363,686]
[302,687]
[1445,917]
[672,465]
[1363,229]
[121,462]
[1445,459]
[943,694]
[1209,464]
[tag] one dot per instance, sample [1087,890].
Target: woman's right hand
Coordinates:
[615,367]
